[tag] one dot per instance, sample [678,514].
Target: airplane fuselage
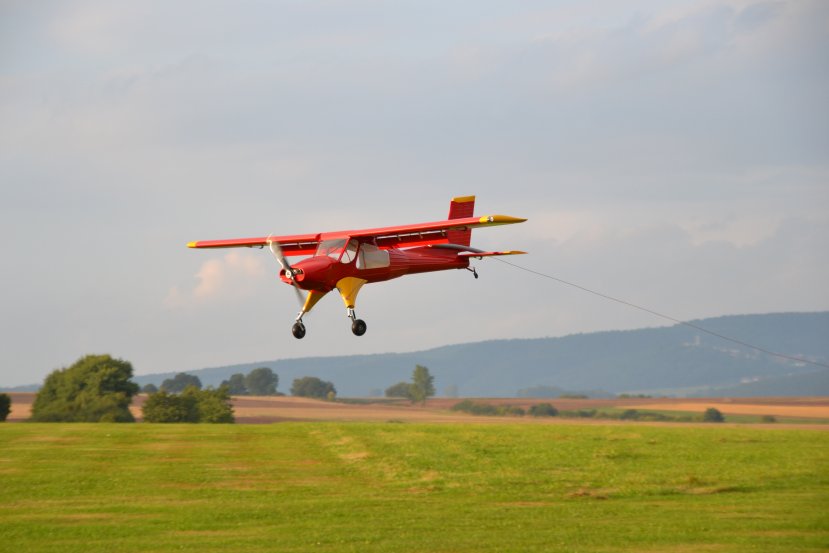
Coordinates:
[322,273]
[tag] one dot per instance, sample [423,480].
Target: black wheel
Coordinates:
[358,327]
[298,330]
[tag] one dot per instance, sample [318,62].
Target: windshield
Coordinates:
[350,252]
[331,248]
[338,250]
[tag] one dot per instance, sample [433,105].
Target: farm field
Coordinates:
[798,410]
[385,486]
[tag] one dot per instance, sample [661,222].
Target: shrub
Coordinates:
[543,410]
[629,415]
[166,407]
[511,410]
[401,389]
[5,406]
[311,386]
[473,408]
[192,405]
[214,405]
[713,415]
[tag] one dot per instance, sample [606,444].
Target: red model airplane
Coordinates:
[347,259]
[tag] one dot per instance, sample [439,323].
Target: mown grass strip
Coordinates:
[411,487]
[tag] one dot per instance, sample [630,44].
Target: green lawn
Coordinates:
[411,487]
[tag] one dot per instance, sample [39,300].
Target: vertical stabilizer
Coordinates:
[463,206]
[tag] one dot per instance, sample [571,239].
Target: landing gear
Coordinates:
[358,326]
[298,330]
[474,272]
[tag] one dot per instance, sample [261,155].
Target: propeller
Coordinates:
[289,272]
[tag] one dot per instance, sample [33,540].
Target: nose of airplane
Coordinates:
[313,270]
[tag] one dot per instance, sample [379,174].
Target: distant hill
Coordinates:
[675,360]
[807,384]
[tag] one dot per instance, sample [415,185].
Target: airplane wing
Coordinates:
[421,234]
[299,244]
[426,234]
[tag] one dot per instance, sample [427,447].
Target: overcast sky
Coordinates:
[673,154]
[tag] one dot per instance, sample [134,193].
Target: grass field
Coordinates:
[412,487]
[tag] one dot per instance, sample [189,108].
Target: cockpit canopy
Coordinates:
[345,250]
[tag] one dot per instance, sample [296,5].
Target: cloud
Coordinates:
[234,276]
[676,137]
[666,40]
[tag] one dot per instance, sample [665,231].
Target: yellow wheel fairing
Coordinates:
[349,287]
[312,299]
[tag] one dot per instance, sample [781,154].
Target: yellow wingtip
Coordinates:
[192,244]
[500,220]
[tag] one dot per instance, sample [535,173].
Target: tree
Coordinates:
[401,389]
[543,410]
[5,406]
[213,406]
[713,415]
[422,384]
[629,415]
[311,386]
[97,388]
[178,383]
[261,382]
[166,407]
[149,389]
[235,385]
[192,405]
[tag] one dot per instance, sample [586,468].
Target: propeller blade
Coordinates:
[280,258]
[299,299]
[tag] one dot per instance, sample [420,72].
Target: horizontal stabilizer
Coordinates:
[490,254]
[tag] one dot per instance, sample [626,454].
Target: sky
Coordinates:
[674,154]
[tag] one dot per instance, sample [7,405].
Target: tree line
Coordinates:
[258,382]
[99,388]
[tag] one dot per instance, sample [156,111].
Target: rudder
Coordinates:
[460,207]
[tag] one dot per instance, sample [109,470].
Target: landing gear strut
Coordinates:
[474,272]
[358,326]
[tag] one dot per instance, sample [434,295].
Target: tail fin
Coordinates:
[460,207]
